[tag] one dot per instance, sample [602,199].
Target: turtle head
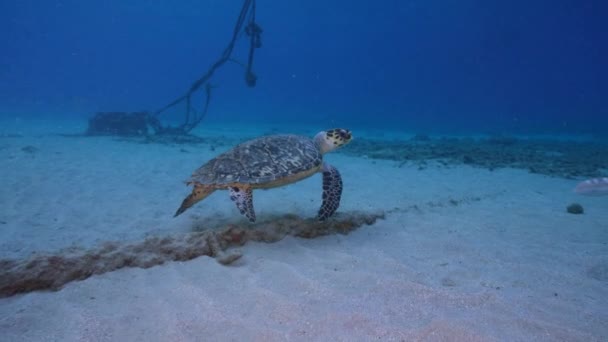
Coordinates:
[332,139]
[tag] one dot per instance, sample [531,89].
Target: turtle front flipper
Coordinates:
[243,197]
[332,192]
[198,193]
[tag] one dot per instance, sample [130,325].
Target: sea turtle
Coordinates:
[269,162]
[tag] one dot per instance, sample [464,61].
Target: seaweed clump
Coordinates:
[52,271]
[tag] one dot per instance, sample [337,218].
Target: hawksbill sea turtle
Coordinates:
[268,162]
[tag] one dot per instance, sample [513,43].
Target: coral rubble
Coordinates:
[557,158]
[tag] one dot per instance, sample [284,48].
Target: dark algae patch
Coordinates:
[575,208]
[52,271]
[556,158]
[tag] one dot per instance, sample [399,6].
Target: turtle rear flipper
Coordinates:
[332,192]
[198,193]
[243,197]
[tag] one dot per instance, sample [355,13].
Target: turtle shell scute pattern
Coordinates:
[260,161]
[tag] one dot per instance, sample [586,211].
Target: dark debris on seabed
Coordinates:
[216,239]
[558,158]
[144,128]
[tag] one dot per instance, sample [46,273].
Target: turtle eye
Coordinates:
[344,134]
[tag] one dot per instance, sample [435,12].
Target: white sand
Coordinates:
[504,263]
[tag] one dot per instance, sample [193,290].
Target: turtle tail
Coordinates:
[199,193]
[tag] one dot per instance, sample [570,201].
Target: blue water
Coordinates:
[472,232]
[433,66]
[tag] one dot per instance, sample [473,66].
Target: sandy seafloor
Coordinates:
[507,263]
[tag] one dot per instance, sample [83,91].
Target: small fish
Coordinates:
[593,187]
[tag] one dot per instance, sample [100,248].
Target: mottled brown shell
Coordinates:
[262,161]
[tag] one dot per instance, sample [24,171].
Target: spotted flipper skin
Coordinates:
[332,192]
[244,201]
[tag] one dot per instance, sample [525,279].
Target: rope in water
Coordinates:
[192,118]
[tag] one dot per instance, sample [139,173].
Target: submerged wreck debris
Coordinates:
[125,124]
[121,124]
[137,125]
[52,271]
